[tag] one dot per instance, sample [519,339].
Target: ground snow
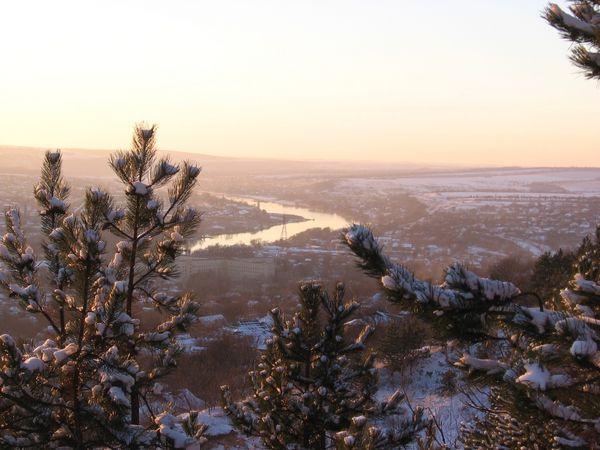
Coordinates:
[211,319]
[423,387]
[217,421]
[222,435]
[259,330]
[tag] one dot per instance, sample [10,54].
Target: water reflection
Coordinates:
[313,220]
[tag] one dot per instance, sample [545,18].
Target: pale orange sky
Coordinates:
[464,82]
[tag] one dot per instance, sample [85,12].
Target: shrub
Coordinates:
[401,342]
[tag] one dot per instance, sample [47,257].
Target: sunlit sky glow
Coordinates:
[463,82]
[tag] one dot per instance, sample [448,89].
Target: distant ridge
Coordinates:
[93,162]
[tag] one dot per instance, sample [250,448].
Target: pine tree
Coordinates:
[510,420]
[310,391]
[401,342]
[544,375]
[152,230]
[582,28]
[551,273]
[547,358]
[78,388]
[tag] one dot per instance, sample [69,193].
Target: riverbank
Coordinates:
[281,230]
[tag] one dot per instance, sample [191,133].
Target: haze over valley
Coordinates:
[287,217]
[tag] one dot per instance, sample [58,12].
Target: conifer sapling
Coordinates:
[81,387]
[310,388]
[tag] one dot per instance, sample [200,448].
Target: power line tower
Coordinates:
[284,234]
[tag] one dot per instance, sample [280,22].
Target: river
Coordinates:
[314,219]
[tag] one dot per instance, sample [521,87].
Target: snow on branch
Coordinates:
[489,366]
[462,289]
[566,22]
[457,277]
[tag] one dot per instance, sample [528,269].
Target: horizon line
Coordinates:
[428,165]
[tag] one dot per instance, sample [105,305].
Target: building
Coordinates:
[238,269]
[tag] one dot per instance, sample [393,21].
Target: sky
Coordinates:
[437,82]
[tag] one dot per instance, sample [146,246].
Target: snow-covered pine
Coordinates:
[578,321]
[52,193]
[81,388]
[365,434]
[581,26]
[545,358]
[308,388]
[152,233]
[39,380]
[464,298]
[499,428]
